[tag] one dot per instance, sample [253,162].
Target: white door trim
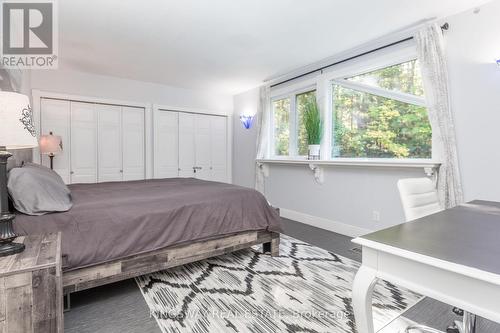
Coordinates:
[148,133]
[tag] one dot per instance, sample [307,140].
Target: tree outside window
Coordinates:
[281,121]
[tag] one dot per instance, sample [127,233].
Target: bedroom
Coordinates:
[249,166]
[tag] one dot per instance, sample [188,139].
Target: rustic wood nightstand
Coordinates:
[31,287]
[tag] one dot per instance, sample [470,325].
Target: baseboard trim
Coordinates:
[320,222]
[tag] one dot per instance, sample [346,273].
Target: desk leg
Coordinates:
[362,291]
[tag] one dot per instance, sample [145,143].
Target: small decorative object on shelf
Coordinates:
[50,145]
[498,62]
[313,124]
[247,120]
[17,131]
[314,152]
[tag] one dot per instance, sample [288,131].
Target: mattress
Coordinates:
[113,220]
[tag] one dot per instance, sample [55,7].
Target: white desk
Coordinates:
[452,256]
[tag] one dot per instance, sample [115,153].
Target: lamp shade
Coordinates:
[17,130]
[50,144]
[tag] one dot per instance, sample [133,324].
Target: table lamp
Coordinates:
[50,145]
[17,131]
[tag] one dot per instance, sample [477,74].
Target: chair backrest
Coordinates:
[419,197]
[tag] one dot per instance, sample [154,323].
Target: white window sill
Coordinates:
[317,166]
[368,162]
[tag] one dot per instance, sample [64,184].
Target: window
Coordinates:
[289,133]
[381,114]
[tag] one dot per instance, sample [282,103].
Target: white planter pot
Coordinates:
[314,152]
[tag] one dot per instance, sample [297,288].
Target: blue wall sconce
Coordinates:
[247,120]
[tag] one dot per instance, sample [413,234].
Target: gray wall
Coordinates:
[351,194]
[244,140]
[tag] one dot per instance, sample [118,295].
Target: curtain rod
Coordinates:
[445,26]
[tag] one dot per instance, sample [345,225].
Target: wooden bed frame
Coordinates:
[136,265]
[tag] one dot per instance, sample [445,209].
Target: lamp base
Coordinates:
[51,156]
[7,234]
[7,249]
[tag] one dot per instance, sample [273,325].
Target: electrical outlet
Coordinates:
[376,216]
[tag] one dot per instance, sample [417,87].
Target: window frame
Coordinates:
[292,123]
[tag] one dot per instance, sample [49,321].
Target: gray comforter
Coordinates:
[113,220]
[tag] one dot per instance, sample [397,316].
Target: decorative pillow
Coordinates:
[37,190]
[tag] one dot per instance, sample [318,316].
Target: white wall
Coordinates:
[473,42]
[349,196]
[85,84]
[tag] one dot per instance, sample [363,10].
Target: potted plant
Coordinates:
[314,127]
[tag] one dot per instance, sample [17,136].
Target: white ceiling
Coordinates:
[226,46]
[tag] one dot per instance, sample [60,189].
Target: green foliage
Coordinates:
[367,125]
[281,126]
[301,102]
[311,118]
[404,77]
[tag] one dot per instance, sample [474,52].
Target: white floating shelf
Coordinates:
[317,166]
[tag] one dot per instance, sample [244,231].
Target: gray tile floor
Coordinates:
[120,307]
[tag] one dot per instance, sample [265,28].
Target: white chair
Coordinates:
[420,198]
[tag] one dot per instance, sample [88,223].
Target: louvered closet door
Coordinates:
[202,146]
[186,144]
[55,117]
[218,148]
[109,143]
[166,144]
[133,143]
[83,143]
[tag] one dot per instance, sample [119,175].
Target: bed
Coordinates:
[119,230]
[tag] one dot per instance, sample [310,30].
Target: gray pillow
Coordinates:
[37,190]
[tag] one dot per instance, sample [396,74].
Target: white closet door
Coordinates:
[109,142]
[83,143]
[186,144]
[133,143]
[55,118]
[202,146]
[166,143]
[218,148]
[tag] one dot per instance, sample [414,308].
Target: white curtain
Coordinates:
[263,139]
[430,49]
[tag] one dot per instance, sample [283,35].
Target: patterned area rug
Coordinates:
[305,289]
